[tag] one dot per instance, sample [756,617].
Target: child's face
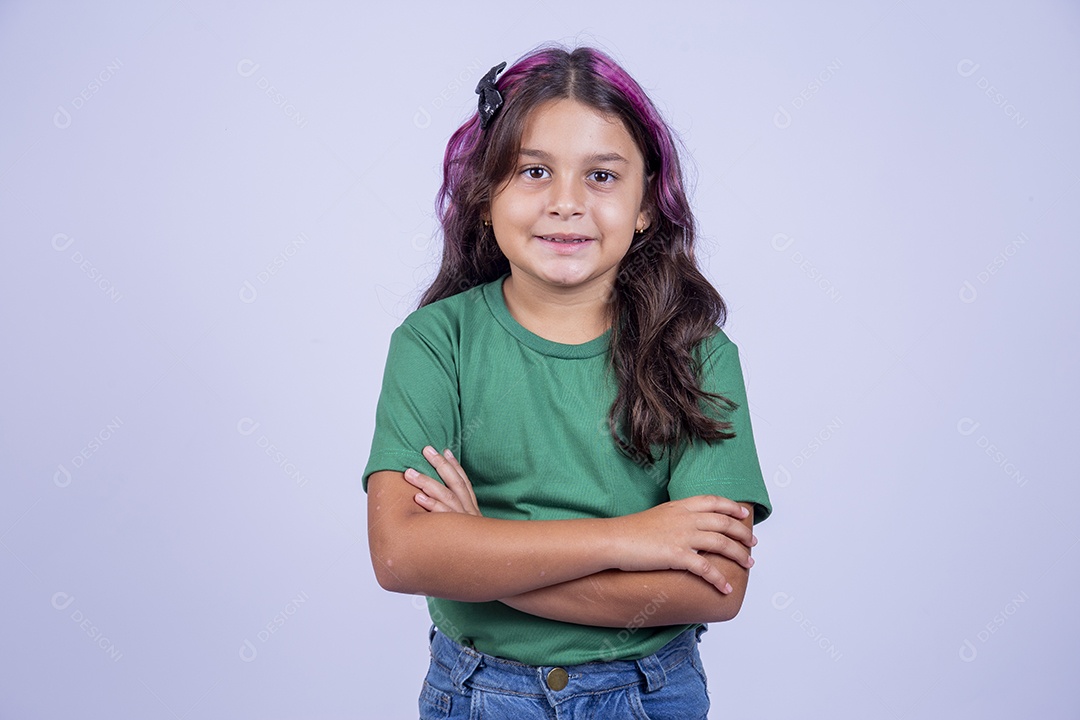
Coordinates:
[579,174]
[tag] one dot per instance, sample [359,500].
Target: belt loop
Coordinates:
[653,670]
[465,665]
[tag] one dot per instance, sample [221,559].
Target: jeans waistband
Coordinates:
[489,672]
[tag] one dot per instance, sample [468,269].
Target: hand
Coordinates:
[673,534]
[455,496]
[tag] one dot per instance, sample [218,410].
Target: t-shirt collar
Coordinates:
[496,302]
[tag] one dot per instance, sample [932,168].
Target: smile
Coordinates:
[564,239]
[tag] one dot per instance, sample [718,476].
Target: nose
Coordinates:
[567,197]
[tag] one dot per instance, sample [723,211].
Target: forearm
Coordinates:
[462,556]
[477,559]
[615,598]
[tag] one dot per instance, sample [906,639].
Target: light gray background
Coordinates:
[213,216]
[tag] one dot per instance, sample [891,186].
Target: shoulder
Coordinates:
[443,319]
[718,364]
[439,333]
[711,345]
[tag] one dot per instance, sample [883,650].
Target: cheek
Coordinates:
[514,210]
[619,218]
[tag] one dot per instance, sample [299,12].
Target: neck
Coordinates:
[572,317]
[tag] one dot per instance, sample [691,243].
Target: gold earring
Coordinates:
[487,223]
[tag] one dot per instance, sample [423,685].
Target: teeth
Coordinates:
[559,240]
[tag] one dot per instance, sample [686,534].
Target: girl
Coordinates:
[593,505]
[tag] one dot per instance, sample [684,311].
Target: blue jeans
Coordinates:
[463,684]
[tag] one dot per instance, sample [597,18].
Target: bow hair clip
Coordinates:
[490,98]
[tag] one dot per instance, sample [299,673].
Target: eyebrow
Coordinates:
[597,158]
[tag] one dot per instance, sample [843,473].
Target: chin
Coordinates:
[566,279]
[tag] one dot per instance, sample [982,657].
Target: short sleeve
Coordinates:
[729,468]
[418,404]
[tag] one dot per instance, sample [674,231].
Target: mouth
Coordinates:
[564,239]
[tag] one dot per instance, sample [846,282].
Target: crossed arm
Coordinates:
[672,564]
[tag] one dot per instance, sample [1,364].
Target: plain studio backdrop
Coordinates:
[214,214]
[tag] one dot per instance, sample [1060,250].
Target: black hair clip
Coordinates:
[490,98]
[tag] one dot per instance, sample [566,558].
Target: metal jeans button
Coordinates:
[557,678]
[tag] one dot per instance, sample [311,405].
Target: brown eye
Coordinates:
[603,177]
[535,173]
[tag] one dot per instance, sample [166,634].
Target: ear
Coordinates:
[644,220]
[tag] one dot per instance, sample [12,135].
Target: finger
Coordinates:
[468,483]
[700,566]
[731,538]
[431,504]
[433,489]
[719,544]
[715,503]
[450,475]
[454,476]
[726,525]
[450,472]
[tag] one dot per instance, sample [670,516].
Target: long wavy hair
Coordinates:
[661,306]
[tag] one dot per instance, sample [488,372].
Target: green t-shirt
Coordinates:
[527,419]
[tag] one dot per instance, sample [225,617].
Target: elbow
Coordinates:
[729,608]
[389,574]
[706,605]
[733,600]
[394,533]
[721,608]
[391,564]
[711,606]
[394,575]
[400,568]
[727,605]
